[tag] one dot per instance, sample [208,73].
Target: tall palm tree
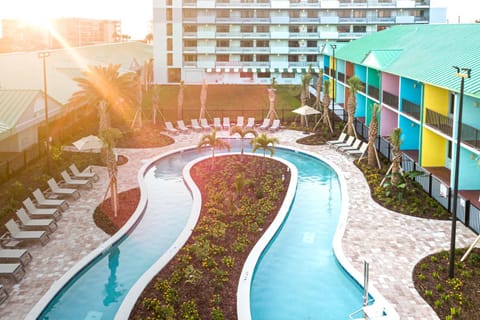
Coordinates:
[372,156]
[326,103]
[266,143]
[109,137]
[318,101]
[396,141]
[355,85]
[242,132]
[305,92]
[180,101]
[213,142]
[104,88]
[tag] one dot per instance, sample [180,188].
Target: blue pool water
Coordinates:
[297,277]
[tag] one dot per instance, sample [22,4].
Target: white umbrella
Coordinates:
[88,143]
[305,111]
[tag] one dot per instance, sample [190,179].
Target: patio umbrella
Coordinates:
[305,111]
[88,143]
[203,99]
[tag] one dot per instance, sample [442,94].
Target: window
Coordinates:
[246,28]
[189,13]
[246,43]
[190,58]
[263,57]
[169,59]
[343,29]
[311,58]
[312,14]
[263,28]
[246,57]
[311,28]
[263,14]
[169,14]
[288,75]
[292,58]
[246,75]
[311,43]
[263,43]
[293,44]
[222,57]
[380,28]
[293,29]
[223,14]
[359,29]
[174,74]
[169,44]
[263,75]
[359,13]
[223,43]
[246,14]
[188,43]
[222,28]
[344,13]
[384,13]
[188,28]
[169,29]
[294,14]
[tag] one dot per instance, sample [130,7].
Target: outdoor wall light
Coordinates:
[475,104]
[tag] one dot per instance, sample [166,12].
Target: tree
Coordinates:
[213,142]
[103,87]
[242,132]
[149,38]
[355,85]
[180,101]
[396,141]
[305,92]
[326,103]
[372,156]
[318,101]
[109,137]
[266,143]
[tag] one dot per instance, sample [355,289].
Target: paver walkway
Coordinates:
[391,242]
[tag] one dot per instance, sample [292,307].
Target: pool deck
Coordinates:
[392,243]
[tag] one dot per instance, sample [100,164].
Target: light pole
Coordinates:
[43,55]
[333,46]
[462,73]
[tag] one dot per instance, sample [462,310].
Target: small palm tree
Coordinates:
[372,156]
[396,141]
[109,137]
[242,132]
[326,103]
[355,85]
[266,143]
[214,143]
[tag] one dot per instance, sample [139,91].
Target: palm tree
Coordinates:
[242,132]
[180,101]
[305,92]
[326,103]
[355,85]
[214,142]
[109,137]
[264,142]
[372,156]
[318,102]
[396,141]
[103,87]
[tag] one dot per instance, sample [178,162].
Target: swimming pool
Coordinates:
[99,289]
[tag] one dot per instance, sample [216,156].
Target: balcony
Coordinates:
[373,92]
[471,136]
[439,122]
[390,99]
[411,109]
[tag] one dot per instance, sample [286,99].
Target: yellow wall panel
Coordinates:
[433,149]
[436,99]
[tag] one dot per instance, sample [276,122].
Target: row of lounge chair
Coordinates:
[36,221]
[218,124]
[349,145]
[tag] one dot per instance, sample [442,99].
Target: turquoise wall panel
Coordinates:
[410,134]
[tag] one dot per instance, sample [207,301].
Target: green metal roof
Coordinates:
[425,53]
[13,104]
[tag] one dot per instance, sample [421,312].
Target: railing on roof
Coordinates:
[439,121]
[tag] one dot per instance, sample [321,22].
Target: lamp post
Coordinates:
[333,46]
[462,73]
[43,55]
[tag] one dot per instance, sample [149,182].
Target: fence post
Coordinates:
[389,151]
[430,184]
[449,200]
[467,213]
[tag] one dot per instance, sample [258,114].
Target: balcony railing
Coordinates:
[471,136]
[390,99]
[439,121]
[373,92]
[341,77]
[411,108]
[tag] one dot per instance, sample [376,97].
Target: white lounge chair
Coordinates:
[90,175]
[217,124]
[196,126]
[275,125]
[182,127]
[62,192]
[204,124]
[41,212]
[348,143]
[22,235]
[354,146]
[226,123]
[250,123]
[359,152]
[265,125]
[35,224]
[240,122]
[12,270]
[170,129]
[43,202]
[75,182]
[341,139]
[15,255]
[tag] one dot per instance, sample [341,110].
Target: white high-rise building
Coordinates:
[252,41]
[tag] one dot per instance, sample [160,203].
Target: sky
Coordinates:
[136,15]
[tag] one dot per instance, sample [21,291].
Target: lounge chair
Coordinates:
[217,124]
[12,270]
[15,255]
[240,122]
[35,224]
[196,126]
[41,212]
[169,127]
[62,192]
[204,124]
[341,139]
[275,125]
[43,202]
[354,146]
[226,123]
[23,235]
[348,143]
[3,294]
[250,123]
[69,181]
[182,127]
[359,151]
[83,175]
[265,125]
